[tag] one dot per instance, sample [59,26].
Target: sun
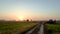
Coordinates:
[21,18]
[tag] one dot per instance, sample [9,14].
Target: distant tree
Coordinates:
[31,19]
[54,21]
[51,21]
[27,20]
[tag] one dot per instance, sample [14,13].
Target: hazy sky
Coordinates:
[30,9]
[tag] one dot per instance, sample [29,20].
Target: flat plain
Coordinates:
[15,27]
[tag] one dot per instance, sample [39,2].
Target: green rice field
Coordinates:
[54,28]
[12,27]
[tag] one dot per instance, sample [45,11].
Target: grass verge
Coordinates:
[53,28]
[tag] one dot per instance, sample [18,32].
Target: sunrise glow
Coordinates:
[21,18]
[29,9]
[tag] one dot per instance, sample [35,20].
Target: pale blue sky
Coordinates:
[34,9]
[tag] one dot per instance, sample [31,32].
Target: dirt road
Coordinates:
[39,29]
